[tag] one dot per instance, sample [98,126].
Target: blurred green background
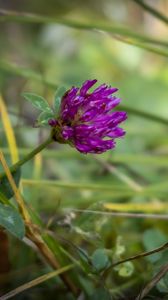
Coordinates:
[35,57]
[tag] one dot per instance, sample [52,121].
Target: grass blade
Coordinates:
[152,11]
[35,282]
[6,16]
[9,131]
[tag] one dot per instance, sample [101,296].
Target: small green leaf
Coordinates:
[57,99]
[120,247]
[3,199]
[100,259]
[37,101]
[44,117]
[126,269]
[12,221]
[100,293]
[5,186]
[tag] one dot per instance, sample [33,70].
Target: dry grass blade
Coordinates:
[9,131]
[153,282]
[123,214]
[35,282]
[17,194]
[44,249]
[37,166]
[150,207]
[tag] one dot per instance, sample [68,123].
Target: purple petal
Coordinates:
[67,133]
[94,145]
[68,114]
[52,122]
[118,117]
[83,148]
[67,98]
[100,89]
[116,133]
[86,86]
[89,115]
[112,103]
[83,130]
[86,118]
[109,90]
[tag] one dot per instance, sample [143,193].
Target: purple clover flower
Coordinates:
[86,120]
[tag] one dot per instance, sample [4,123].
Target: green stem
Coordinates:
[156,50]
[144,114]
[29,156]
[14,16]
[152,11]
[26,73]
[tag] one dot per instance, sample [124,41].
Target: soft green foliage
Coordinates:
[11,220]
[153,238]
[43,118]
[126,269]
[37,101]
[163,284]
[66,191]
[57,99]
[41,104]
[5,186]
[101,293]
[3,198]
[100,259]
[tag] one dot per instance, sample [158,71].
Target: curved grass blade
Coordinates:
[6,15]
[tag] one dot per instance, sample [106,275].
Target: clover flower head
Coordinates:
[86,120]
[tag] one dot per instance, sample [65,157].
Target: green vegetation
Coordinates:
[86,221]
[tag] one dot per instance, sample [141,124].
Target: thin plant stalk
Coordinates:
[22,17]
[31,229]
[28,157]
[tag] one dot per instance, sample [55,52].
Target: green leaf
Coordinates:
[100,293]
[5,186]
[153,238]
[100,259]
[57,99]
[37,101]
[120,248]
[44,117]
[162,285]
[84,259]
[3,199]
[126,269]
[83,254]
[12,221]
